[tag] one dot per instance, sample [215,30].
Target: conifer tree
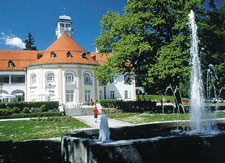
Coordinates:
[30,43]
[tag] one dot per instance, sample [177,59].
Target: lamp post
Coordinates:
[1,85]
[49,91]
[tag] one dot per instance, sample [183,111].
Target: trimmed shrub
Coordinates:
[50,105]
[35,110]
[43,108]
[5,112]
[15,109]
[24,107]
[129,106]
[26,115]
[25,110]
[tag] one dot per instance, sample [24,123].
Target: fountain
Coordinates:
[200,116]
[177,99]
[155,142]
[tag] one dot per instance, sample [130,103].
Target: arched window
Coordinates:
[69,78]
[50,78]
[87,78]
[33,79]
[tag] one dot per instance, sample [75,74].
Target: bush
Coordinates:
[26,115]
[50,105]
[25,110]
[35,110]
[43,108]
[4,112]
[15,109]
[130,106]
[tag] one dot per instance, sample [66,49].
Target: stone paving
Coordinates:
[89,120]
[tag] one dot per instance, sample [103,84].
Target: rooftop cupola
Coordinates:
[64,24]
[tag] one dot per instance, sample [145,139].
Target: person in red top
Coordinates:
[95,111]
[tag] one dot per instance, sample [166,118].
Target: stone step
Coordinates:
[79,111]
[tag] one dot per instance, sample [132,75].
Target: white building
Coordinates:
[63,72]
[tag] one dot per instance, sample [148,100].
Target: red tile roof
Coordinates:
[65,42]
[100,57]
[20,58]
[63,45]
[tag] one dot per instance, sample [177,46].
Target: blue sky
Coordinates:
[18,17]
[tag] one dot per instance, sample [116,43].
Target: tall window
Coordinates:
[126,94]
[61,26]
[100,94]
[87,95]
[69,95]
[4,78]
[50,78]
[87,79]
[17,78]
[112,94]
[33,79]
[69,78]
[68,25]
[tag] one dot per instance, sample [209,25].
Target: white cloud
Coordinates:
[12,41]
[15,41]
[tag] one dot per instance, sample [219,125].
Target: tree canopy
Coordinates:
[152,40]
[212,42]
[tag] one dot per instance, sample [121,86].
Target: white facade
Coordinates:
[12,86]
[79,90]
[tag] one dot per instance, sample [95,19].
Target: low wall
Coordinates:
[33,151]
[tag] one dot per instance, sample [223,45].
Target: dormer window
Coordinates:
[52,55]
[11,64]
[39,55]
[94,57]
[83,55]
[69,55]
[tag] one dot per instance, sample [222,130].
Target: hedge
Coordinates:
[158,98]
[50,105]
[29,115]
[129,106]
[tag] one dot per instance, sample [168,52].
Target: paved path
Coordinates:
[16,119]
[89,120]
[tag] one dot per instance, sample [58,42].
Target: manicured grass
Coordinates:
[136,118]
[40,128]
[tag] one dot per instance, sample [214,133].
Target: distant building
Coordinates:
[63,72]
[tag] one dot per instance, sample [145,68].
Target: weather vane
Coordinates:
[64,11]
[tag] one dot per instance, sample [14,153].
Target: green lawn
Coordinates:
[136,118]
[36,129]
